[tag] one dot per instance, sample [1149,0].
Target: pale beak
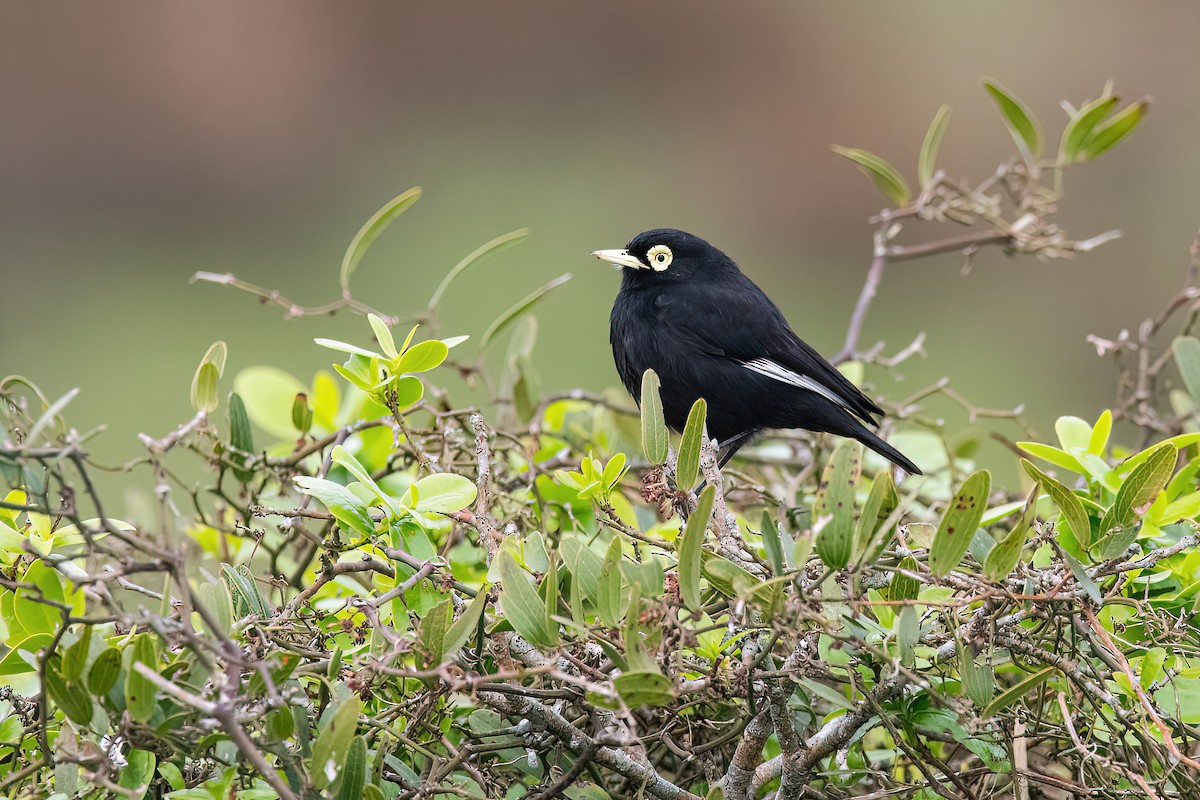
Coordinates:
[620,258]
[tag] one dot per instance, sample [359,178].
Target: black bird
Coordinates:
[686,311]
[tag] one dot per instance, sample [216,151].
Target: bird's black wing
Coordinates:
[737,321]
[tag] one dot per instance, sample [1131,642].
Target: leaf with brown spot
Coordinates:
[958,524]
[835,499]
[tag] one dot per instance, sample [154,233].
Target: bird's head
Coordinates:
[665,255]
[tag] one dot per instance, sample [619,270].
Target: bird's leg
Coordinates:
[726,452]
[731,446]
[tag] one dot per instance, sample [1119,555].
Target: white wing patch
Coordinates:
[765,366]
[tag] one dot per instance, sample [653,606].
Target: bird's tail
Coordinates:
[868,437]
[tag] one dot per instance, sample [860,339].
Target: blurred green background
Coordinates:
[143,141]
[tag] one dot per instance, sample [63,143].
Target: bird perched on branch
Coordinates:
[686,311]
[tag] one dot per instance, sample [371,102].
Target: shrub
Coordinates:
[373,592]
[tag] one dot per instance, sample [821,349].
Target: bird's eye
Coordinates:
[659,257]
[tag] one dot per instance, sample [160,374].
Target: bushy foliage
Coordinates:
[376,593]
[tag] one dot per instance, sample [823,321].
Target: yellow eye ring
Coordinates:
[659,257]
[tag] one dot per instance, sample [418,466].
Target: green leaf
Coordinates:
[280,723]
[204,388]
[908,633]
[1113,131]
[549,588]
[691,543]
[467,623]
[354,770]
[927,162]
[371,230]
[515,312]
[104,671]
[204,382]
[333,742]
[1081,126]
[17,661]
[1067,501]
[881,503]
[409,390]
[432,632]
[835,501]
[218,602]
[496,245]
[886,177]
[1187,358]
[654,426]
[140,694]
[346,347]
[1115,544]
[1003,557]
[1055,456]
[905,587]
[978,679]
[959,523]
[383,335]
[644,688]
[1016,692]
[523,607]
[773,544]
[423,356]
[728,578]
[137,773]
[344,505]
[646,575]
[70,696]
[687,465]
[444,493]
[1100,433]
[1151,667]
[50,414]
[1138,491]
[1019,120]
[302,415]
[268,394]
[1073,433]
[584,565]
[1083,579]
[614,470]
[75,657]
[608,600]
[241,438]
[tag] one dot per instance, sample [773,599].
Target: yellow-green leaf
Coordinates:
[1005,554]
[1081,126]
[690,546]
[467,623]
[881,502]
[886,177]
[654,426]
[608,599]
[927,162]
[687,466]
[1139,490]
[1016,692]
[1067,501]
[515,312]
[479,254]
[959,523]
[523,606]
[1113,131]
[333,742]
[1019,120]
[835,501]
[371,230]
[140,693]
